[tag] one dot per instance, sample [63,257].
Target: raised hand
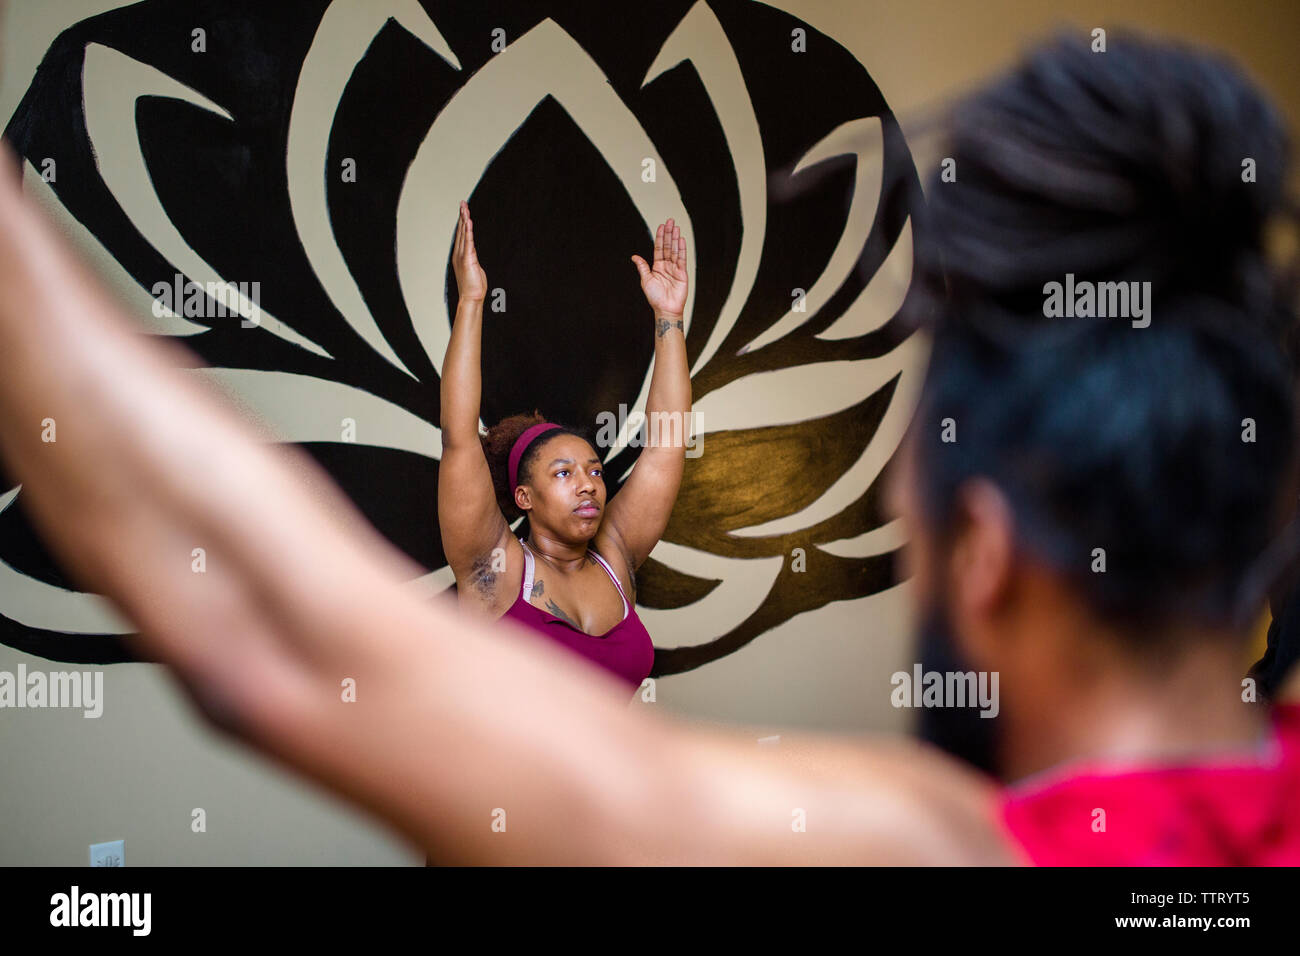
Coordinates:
[664,283]
[471,281]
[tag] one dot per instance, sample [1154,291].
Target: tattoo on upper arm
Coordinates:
[663,325]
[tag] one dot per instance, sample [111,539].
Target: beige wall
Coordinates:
[922,53]
[137,772]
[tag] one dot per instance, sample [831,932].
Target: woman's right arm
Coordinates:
[470,520]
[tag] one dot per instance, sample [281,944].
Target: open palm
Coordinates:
[471,281]
[664,282]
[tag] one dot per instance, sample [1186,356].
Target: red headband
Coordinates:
[521,445]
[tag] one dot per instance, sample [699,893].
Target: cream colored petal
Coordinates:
[112,83]
[468,133]
[345,32]
[862,139]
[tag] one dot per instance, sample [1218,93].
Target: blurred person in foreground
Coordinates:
[1119,689]
[1163,182]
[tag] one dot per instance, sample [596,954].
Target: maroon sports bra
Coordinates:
[625,650]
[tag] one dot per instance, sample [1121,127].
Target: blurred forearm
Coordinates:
[146,464]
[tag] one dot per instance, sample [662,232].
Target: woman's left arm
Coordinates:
[640,511]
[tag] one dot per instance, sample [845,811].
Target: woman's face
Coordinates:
[565,489]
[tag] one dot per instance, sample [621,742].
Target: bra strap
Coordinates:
[527,590]
[613,577]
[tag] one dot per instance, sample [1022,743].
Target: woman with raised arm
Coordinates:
[1120,691]
[574,579]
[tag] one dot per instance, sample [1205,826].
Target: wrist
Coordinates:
[666,322]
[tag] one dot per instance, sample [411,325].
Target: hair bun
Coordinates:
[1150,161]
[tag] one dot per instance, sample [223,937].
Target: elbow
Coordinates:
[457,435]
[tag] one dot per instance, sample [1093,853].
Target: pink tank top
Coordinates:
[625,650]
[1237,811]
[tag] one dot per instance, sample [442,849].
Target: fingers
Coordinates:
[670,247]
[642,269]
[464,245]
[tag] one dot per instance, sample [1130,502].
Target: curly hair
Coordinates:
[497,442]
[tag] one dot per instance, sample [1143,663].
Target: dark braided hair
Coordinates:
[498,441]
[1120,166]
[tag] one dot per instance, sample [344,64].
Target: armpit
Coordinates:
[482,578]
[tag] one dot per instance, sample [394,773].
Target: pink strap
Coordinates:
[613,577]
[528,572]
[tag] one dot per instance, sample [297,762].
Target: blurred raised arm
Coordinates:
[303,639]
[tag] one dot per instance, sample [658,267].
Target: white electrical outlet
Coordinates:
[108,854]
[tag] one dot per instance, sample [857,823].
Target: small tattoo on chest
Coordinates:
[558,612]
[539,590]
